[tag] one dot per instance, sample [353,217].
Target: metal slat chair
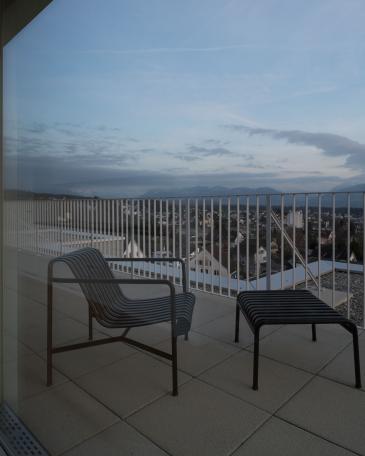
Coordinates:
[282,307]
[113,309]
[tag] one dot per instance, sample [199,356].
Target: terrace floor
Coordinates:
[115,400]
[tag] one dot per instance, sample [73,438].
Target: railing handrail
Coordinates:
[193,197]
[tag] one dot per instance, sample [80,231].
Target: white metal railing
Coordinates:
[230,243]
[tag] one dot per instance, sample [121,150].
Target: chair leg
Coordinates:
[355,338]
[314,333]
[256,360]
[49,336]
[174,366]
[237,328]
[90,324]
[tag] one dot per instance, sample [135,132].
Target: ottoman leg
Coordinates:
[237,328]
[314,333]
[255,383]
[356,356]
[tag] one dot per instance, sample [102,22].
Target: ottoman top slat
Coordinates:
[285,307]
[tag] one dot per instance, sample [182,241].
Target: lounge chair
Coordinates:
[110,307]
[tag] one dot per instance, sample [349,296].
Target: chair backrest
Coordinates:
[89,263]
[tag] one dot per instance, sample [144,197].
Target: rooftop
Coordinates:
[114,400]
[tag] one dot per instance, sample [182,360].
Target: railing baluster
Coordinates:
[319,242]
[220,243]
[333,249]
[238,245]
[247,242]
[138,237]
[149,232]
[114,231]
[212,244]
[143,248]
[306,241]
[173,240]
[363,260]
[161,237]
[117,229]
[167,231]
[294,240]
[204,246]
[180,237]
[104,229]
[282,241]
[132,238]
[257,242]
[127,253]
[187,217]
[121,229]
[144,233]
[109,231]
[229,246]
[154,234]
[196,245]
[348,252]
[97,222]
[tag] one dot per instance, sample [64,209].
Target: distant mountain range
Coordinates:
[224,192]
[207,191]
[326,199]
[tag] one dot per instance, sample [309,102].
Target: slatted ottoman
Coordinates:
[284,307]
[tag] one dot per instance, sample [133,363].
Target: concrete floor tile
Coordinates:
[64,416]
[328,409]
[131,383]
[200,421]
[277,382]
[119,439]
[278,438]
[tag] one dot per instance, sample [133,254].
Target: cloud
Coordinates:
[108,177]
[166,50]
[186,157]
[216,142]
[201,151]
[330,144]
[37,128]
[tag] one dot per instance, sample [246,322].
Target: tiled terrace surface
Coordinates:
[115,400]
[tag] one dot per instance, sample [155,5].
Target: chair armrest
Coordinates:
[171,286]
[155,260]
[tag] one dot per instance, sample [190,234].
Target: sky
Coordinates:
[120,97]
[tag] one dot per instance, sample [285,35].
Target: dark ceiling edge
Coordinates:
[16,14]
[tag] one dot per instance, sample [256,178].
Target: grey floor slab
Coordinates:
[64,330]
[222,328]
[131,383]
[76,363]
[150,335]
[64,416]
[199,352]
[208,307]
[200,421]
[119,439]
[277,382]
[341,369]
[278,438]
[32,286]
[30,312]
[293,344]
[331,410]
[71,303]
[26,377]
[13,349]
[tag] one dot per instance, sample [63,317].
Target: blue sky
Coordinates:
[149,94]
